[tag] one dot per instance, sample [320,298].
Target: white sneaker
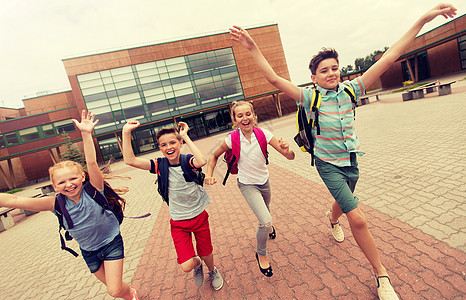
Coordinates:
[216,279]
[337,232]
[385,289]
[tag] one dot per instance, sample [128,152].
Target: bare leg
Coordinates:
[336,212]
[365,240]
[190,264]
[111,274]
[209,261]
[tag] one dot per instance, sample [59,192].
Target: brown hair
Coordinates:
[319,57]
[168,130]
[235,104]
[106,174]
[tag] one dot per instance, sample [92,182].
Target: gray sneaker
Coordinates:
[198,274]
[216,279]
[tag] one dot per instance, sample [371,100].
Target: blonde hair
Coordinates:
[235,104]
[65,164]
[106,175]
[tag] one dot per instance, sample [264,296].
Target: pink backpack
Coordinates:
[231,156]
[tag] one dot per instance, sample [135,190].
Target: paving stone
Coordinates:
[416,219]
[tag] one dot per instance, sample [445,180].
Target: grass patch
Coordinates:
[14,191]
[410,87]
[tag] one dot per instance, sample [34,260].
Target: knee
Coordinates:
[188,265]
[115,291]
[268,225]
[359,222]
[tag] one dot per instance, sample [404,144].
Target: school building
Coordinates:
[191,80]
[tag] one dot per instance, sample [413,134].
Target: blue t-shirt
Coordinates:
[92,228]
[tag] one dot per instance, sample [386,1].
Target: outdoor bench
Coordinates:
[418,93]
[6,220]
[365,99]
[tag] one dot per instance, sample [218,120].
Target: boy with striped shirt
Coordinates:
[337,145]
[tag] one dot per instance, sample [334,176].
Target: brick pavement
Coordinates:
[414,202]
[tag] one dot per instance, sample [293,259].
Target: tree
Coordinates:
[72,152]
[347,69]
[362,64]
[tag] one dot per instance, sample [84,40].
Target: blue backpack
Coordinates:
[189,174]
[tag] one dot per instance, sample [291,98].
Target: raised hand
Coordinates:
[445,9]
[241,36]
[131,125]
[87,122]
[183,127]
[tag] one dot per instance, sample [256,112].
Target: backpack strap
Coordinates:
[189,173]
[162,179]
[235,151]
[262,142]
[315,104]
[350,92]
[60,212]
[102,199]
[235,145]
[97,196]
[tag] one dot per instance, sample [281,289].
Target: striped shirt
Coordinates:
[337,137]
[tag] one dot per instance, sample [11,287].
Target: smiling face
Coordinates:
[170,146]
[244,117]
[68,181]
[327,74]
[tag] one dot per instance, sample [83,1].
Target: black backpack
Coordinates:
[304,138]
[189,174]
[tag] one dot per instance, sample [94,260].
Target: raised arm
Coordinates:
[128,154]
[199,158]
[33,204]
[283,147]
[241,36]
[209,179]
[86,126]
[397,49]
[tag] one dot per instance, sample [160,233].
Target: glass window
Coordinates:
[145,66]
[89,76]
[462,47]
[122,70]
[93,90]
[11,138]
[48,130]
[163,86]
[90,83]
[109,147]
[29,134]
[2,141]
[64,126]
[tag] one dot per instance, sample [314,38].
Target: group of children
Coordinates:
[180,180]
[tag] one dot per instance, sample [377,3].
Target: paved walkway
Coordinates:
[412,190]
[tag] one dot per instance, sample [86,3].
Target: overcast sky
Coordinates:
[35,35]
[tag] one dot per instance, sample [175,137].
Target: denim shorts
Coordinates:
[340,182]
[112,251]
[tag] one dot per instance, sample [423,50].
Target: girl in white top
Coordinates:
[253,175]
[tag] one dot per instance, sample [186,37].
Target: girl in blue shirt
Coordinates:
[97,233]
